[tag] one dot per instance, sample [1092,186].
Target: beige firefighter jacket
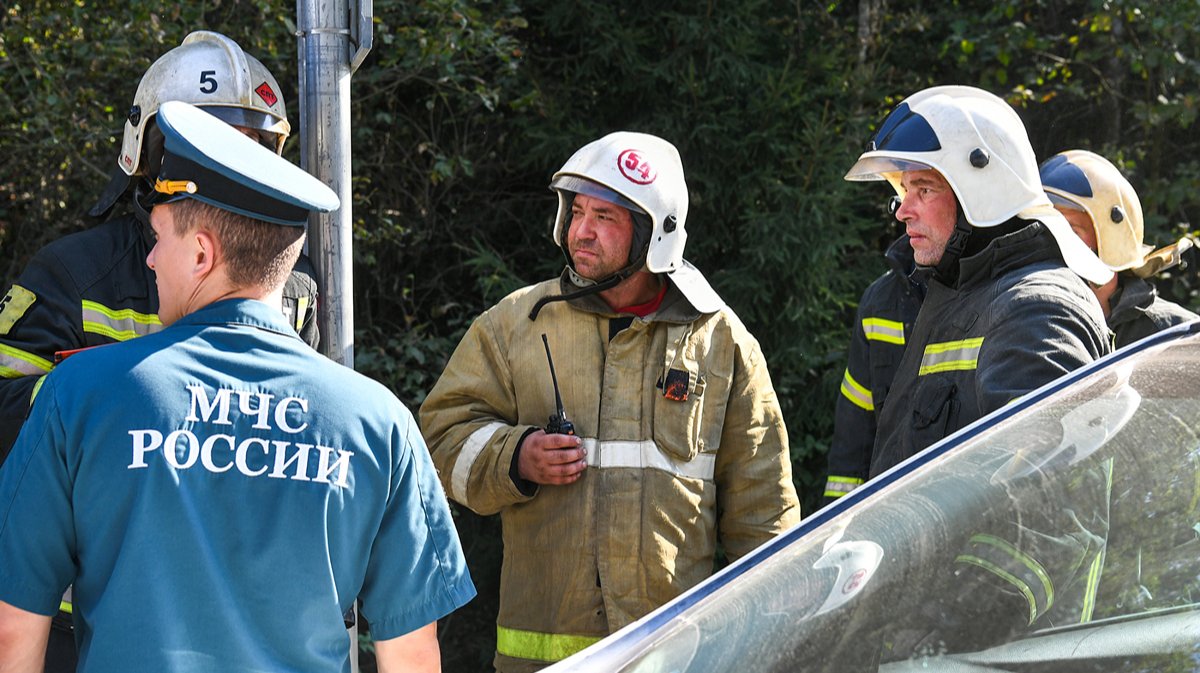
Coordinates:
[666,479]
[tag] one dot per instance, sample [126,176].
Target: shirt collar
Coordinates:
[249,312]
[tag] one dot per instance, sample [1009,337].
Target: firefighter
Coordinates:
[93,287]
[678,443]
[1007,307]
[1104,210]
[219,493]
[882,326]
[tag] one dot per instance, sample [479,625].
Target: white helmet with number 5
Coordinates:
[212,72]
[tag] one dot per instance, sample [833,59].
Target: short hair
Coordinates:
[257,253]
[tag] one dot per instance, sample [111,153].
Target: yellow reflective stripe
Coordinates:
[1097,566]
[1093,583]
[879,329]
[65,606]
[836,487]
[1005,554]
[301,309]
[1006,576]
[539,646]
[856,393]
[951,356]
[15,363]
[119,325]
[36,387]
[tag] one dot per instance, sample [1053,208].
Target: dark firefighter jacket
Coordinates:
[883,325]
[1137,311]
[88,289]
[1016,319]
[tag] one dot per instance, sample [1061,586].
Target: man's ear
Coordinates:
[206,252]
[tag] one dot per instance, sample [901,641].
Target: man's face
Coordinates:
[1081,224]
[599,237]
[928,211]
[172,259]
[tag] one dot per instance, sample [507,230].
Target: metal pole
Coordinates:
[334,37]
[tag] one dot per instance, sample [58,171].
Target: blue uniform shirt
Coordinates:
[219,494]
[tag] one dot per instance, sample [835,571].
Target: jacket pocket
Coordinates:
[688,430]
[934,412]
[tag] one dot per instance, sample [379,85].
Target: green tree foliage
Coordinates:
[465,108]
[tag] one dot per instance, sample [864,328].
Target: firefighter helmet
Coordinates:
[979,145]
[637,171]
[212,72]
[1082,180]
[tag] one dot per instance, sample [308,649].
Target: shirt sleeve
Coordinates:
[417,572]
[37,533]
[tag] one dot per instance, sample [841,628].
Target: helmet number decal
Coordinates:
[208,83]
[636,168]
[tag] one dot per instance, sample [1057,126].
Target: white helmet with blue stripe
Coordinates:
[978,143]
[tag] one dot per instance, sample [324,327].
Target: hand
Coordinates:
[551,459]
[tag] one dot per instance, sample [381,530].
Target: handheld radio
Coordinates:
[558,425]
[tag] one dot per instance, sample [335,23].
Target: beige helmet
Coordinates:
[1085,181]
[211,72]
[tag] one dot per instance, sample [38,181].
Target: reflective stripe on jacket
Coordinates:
[88,289]
[1016,319]
[640,527]
[882,326]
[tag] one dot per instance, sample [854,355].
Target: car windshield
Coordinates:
[1060,534]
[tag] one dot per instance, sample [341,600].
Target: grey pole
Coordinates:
[334,37]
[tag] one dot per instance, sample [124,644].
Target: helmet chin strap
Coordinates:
[946,270]
[641,241]
[592,287]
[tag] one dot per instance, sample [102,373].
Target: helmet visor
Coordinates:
[879,166]
[250,119]
[578,185]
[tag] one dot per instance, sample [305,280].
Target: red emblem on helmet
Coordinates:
[264,92]
[855,581]
[635,167]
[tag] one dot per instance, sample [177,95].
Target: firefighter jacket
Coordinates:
[882,326]
[1137,311]
[1016,319]
[686,448]
[88,289]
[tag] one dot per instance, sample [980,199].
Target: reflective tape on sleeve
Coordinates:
[887,331]
[856,393]
[15,363]
[467,457]
[119,325]
[951,356]
[836,487]
[539,646]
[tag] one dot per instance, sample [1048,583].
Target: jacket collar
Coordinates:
[1031,244]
